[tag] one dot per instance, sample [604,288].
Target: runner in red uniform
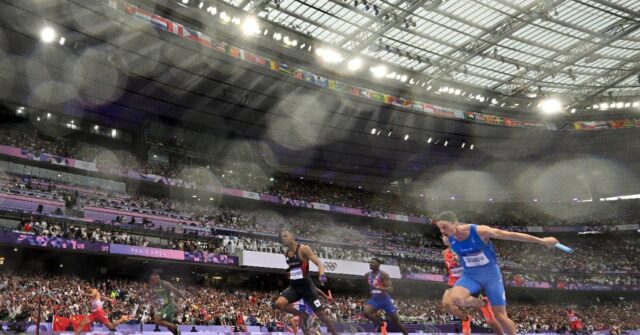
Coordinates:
[575,324]
[97,313]
[454,269]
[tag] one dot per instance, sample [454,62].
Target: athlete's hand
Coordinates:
[549,242]
[323,279]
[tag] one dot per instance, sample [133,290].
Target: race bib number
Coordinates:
[457,272]
[477,259]
[296,274]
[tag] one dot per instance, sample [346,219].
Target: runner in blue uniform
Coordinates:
[473,245]
[380,286]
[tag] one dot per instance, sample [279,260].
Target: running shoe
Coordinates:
[383,328]
[466,326]
[487,312]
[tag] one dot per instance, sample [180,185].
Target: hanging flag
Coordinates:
[284,68]
[196,36]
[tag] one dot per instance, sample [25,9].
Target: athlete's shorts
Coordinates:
[306,291]
[166,312]
[99,315]
[488,279]
[384,303]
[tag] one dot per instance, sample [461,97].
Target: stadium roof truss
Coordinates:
[578,48]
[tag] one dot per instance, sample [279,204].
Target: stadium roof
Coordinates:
[580,48]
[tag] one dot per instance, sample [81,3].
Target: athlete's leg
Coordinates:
[164,323]
[83,324]
[321,313]
[112,325]
[461,295]
[396,320]
[370,313]
[447,303]
[283,303]
[494,324]
[501,316]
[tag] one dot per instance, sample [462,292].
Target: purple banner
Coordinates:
[425,277]
[122,249]
[53,242]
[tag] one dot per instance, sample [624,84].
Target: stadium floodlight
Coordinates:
[596,106]
[627,105]
[403,78]
[619,104]
[457,92]
[378,71]
[62,40]
[250,26]
[573,110]
[604,106]
[212,10]
[329,55]
[471,147]
[430,139]
[225,17]
[47,35]
[463,145]
[354,64]
[406,137]
[446,143]
[373,131]
[550,106]
[114,133]
[636,104]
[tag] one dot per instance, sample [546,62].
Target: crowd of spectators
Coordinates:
[246,171]
[206,305]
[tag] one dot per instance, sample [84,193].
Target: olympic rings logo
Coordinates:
[331,266]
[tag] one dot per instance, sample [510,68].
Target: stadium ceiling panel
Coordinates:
[510,46]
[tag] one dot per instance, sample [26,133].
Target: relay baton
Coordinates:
[563,247]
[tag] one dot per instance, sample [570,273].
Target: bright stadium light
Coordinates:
[430,139]
[373,131]
[224,17]
[550,106]
[378,71]
[354,64]
[329,55]
[250,26]
[406,137]
[62,40]
[47,35]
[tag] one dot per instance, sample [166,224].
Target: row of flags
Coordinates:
[317,80]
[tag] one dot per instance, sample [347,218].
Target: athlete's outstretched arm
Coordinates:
[169,286]
[487,232]
[312,257]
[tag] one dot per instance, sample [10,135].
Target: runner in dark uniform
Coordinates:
[165,304]
[300,284]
